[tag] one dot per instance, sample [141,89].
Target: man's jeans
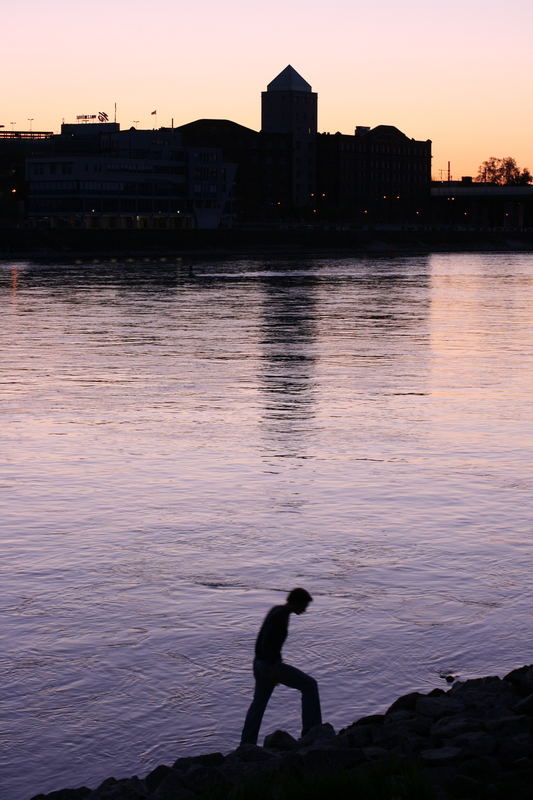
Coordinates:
[266,677]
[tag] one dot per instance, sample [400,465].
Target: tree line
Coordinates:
[503,171]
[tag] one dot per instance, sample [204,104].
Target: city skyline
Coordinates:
[444,73]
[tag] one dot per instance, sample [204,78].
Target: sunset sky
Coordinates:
[457,72]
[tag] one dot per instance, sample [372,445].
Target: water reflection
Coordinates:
[286,377]
[14,282]
[177,450]
[150,275]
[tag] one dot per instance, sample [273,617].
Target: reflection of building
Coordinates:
[486,205]
[99,176]
[288,355]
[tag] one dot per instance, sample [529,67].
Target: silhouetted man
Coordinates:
[270,670]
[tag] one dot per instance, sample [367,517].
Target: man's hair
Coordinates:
[299,596]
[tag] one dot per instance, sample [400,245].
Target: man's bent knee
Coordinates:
[310,684]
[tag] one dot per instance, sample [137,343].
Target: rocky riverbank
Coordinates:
[474,741]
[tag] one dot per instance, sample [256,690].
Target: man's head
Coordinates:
[298,600]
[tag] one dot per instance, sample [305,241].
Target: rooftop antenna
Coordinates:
[449,172]
[115,112]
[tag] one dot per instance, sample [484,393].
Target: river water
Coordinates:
[180,448]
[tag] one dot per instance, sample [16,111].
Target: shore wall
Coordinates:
[21,243]
[473,741]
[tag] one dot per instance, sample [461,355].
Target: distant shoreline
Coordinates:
[66,245]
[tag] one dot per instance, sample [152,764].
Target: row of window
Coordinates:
[165,189]
[410,149]
[55,168]
[205,188]
[68,205]
[206,155]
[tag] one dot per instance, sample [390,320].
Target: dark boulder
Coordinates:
[207,759]
[521,679]
[280,740]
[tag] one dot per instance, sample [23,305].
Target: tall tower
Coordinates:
[289,106]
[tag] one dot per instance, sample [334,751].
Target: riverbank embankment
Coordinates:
[69,244]
[474,741]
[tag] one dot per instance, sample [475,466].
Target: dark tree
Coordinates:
[504,171]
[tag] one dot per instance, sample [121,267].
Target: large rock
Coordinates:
[399,737]
[407,702]
[156,776]
[449,726]
[207,759]
[398,717]
[521,679]
[439,755]
[506,725]
[201,777]
[411,744]
[515,747]
[475,743]
[65,794]
[329,759]
[280,740]
[525,706]
[356,736]
[250,753]
[481,694]
[374,752]
[371,719]
[319,733]
[172,787]
[126,789]
[435,707]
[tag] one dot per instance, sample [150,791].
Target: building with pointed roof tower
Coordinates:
[215,171]
[289,106]
[289,80]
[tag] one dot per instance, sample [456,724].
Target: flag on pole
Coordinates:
[154,112]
